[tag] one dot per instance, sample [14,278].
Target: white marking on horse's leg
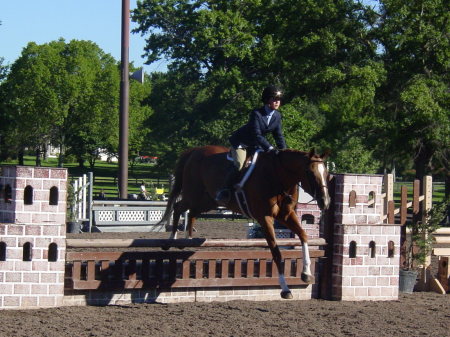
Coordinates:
[283,284]
[306,259]
[173,235]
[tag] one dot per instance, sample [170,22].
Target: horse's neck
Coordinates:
[289,177]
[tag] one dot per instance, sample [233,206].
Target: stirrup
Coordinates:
[223,196]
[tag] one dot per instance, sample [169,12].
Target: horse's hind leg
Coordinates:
[267,225]
[190,226]
[291,222]
[178,209]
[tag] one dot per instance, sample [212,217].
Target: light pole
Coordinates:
[124,98]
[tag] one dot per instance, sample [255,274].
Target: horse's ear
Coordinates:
[312,153]
[325,154]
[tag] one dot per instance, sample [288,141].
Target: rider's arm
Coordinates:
[255,128]
[278,136]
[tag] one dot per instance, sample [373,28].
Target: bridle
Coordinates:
[311,174]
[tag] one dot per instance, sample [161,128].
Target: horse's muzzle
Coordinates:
[324,203]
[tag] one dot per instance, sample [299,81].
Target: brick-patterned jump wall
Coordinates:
[366,251]
[32,237]
[37,283]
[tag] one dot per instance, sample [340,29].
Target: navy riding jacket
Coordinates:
[253,133]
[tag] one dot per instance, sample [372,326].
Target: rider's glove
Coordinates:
[273,150]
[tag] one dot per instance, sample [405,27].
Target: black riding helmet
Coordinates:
[271,92]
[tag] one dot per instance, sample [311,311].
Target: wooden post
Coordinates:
[427,190]
[403,205]
[389,191]
[427,197]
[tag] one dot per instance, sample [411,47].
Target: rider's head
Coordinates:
[271,95]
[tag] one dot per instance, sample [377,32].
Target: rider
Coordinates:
[251,136]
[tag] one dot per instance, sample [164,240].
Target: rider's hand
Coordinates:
[274,151]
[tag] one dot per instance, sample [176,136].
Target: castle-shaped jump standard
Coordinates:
[32,236]
[366,251]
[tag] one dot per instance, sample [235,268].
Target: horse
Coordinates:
[271,192]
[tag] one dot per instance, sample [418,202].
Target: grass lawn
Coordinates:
[438,191]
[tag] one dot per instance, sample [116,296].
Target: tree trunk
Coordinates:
[20,156]
[80,162]
[422,160]
[3,150]
[45,151]
[61,155]
[38,156]
[447,184]
[92,163]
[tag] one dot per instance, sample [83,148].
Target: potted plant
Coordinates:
[419,245]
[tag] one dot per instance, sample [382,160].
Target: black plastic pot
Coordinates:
[73,227]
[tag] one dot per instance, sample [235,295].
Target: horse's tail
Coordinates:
[176,187]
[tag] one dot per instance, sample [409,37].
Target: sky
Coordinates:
[42,21]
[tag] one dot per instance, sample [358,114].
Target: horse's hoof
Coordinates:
[309,279]
[287,295]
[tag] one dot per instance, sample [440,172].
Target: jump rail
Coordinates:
[183,243]
[183,268]
[418,203]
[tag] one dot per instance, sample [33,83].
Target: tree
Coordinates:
[415,41]
[224,52]
[30,103]
[4,117]
[65,94]
[94,96]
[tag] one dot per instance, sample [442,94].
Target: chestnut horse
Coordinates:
[271,192]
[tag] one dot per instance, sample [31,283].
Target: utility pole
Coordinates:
[124,101]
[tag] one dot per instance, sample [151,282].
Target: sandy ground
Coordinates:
[417,314]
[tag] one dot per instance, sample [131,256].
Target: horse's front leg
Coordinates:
[291,222]
[267,225]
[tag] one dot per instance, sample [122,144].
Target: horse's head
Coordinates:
[316,182]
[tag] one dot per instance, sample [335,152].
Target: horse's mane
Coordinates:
[295,151]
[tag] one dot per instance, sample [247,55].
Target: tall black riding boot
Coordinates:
[223,196]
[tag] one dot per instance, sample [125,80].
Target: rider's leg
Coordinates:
[224,194]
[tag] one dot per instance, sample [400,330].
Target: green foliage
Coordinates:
[422,239]
[301,124]
[414,35]
[3,69]
[224,52]
[67,94]
[354,157]
[64,94]
[371,84]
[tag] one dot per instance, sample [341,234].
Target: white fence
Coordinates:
[82,197]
